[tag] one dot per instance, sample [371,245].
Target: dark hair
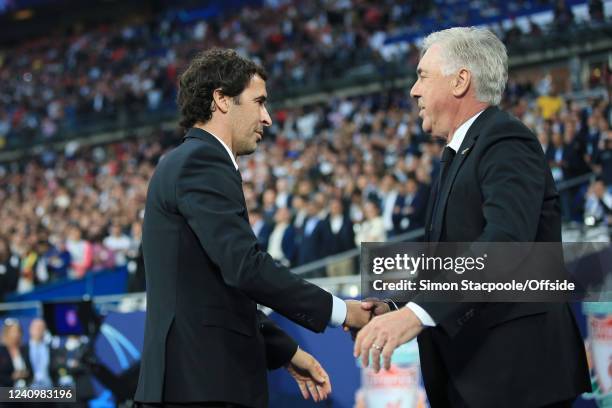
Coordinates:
[210,70]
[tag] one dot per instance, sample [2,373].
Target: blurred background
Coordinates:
[87,108]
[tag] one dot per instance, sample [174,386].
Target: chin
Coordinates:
[247,151]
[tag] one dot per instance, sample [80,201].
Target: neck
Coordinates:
[217,129]
[462,115]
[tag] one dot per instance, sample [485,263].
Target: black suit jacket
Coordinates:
[343,240]
[7,368]
[499,188]
[311,247]
[205,274]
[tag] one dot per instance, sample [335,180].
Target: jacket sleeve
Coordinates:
[280,347]
[209,196]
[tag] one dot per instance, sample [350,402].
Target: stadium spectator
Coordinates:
[387,195]
[598,207]
[604,157]
[261,228]
[410,206]
[310,236]
[135,265]
[102,257]
[338,232]
[9,269]
[81,252]
[39,352]
[19,358]
[283,194]
[338,236]
[58,260]
[281,245]
[372,229]
[119,243]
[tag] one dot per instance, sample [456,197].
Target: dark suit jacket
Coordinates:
[205,274]
[288,243]
[311,245]
[417,217]
[500,354]
[263,235]
[343,240]
[7,369]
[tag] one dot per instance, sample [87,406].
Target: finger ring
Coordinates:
[377,347]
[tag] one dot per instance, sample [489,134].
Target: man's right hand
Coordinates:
[356,316]
[373,306]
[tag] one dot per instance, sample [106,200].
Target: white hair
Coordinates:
[479,51]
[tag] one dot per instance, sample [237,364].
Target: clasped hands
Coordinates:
[376,330]
[379,331]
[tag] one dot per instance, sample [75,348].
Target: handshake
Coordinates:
[377,331]
[359,313]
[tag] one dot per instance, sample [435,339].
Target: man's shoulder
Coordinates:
[501,126]
[505,124]
[192,151]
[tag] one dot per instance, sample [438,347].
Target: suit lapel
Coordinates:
[461,155]
[446,188]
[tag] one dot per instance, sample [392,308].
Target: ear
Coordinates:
[220,101]
[461,83]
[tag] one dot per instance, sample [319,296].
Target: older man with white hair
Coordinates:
[494,186]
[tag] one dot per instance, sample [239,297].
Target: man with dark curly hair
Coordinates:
[206,344]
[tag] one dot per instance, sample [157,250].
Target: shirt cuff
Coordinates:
[338,315]
[423,316]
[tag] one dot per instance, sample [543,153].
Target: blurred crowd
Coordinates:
[37,360]
[56,84]
[326,178]
[69,214]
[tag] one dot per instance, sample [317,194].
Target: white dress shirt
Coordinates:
[338,315]
[275,243]
[454,144]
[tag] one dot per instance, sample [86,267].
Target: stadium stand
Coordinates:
[86,115]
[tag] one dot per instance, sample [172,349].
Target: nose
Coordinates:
[266,119]
[414,91]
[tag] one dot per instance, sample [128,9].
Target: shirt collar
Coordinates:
[229,151]
[461,131]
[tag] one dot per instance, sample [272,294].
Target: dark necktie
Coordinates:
[445,162]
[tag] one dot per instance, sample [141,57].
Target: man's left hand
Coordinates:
[309,376]
[383,334]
